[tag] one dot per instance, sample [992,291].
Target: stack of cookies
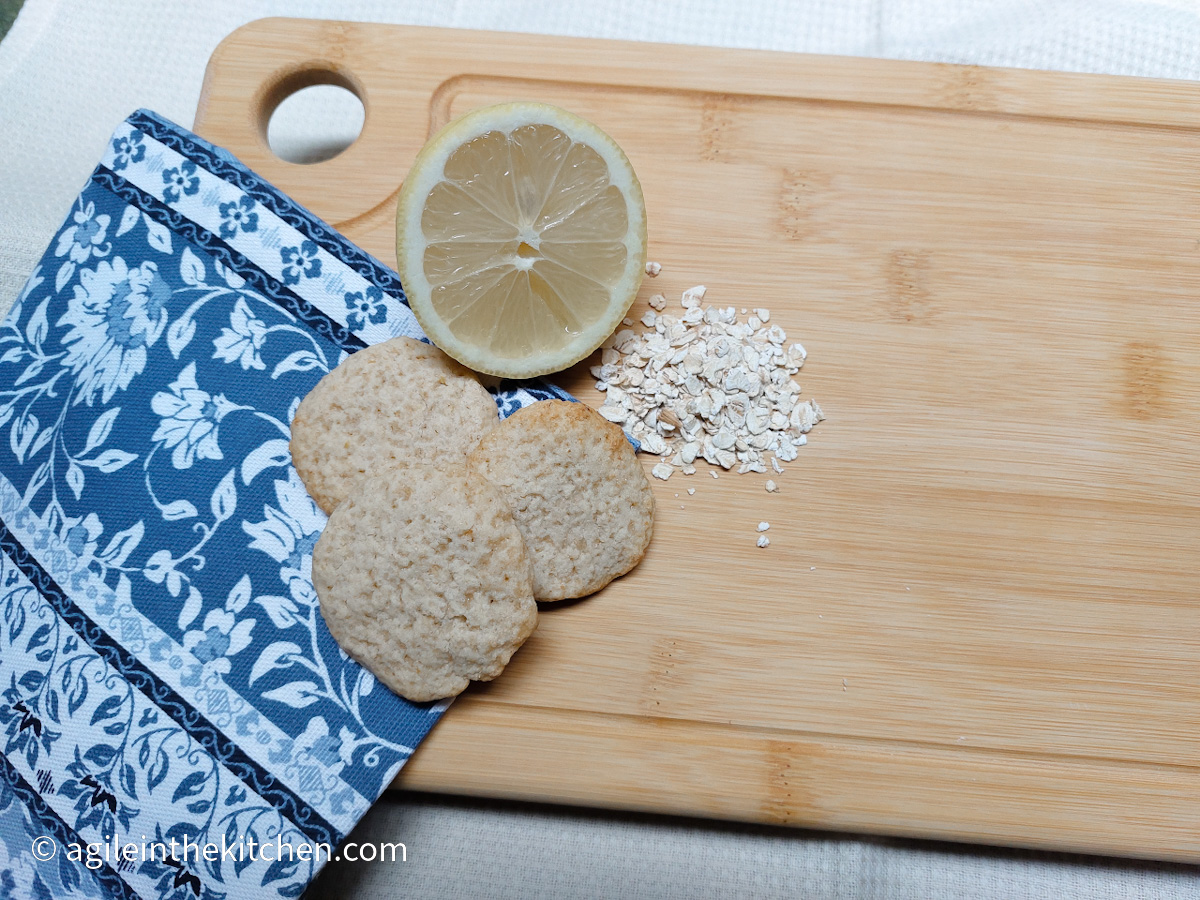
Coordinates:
[447,526]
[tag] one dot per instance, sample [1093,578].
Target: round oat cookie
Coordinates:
[423,578]
[395,401]
[579,495]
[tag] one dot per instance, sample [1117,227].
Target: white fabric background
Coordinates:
[70,71]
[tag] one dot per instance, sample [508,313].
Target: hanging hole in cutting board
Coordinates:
[315,123]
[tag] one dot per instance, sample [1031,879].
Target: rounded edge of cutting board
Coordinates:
[260,64]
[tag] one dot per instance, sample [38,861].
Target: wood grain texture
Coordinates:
[977,618]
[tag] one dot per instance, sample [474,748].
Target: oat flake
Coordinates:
[705,385]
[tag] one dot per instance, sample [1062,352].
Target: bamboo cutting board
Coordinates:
[979,616]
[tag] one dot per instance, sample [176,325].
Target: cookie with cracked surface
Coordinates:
[401,400]
[577,492]
[423,578]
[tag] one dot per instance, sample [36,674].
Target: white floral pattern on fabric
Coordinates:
[190,418]
[114,315]
[164,667]
[243,340]
[85,237]
[221,636]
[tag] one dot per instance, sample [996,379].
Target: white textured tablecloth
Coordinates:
[70,71]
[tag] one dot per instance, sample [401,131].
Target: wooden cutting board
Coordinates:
[979,616]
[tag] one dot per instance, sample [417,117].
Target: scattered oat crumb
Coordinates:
[771,486]
[843,684]
[763,526]
[662,471]
[714,475]
[691,491]
[627,321]
[692,297]
[652,269]
[658,302]
[764,541]
[812,568]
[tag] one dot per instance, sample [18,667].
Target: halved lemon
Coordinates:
[520,238]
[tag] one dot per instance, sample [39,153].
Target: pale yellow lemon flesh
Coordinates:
[521,238]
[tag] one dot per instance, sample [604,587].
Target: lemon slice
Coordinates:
[521,238]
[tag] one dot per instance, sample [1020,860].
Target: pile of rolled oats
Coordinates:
[704,385]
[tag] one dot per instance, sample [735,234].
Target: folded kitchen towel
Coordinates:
[165,672]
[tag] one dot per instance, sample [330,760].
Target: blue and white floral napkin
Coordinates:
[164,669]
